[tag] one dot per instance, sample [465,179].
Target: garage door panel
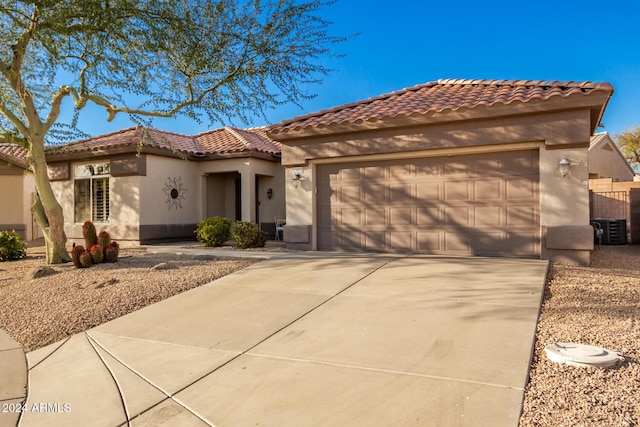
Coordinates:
[375,216]
[487,189]
[430,217]
[401,241]
[456,168]
[400,216]
[375,172]
[400,193]
[522,244]
[484,167]
[457,242]
[465,205]
[375,240]
[489,243]
[350,194]
[457,216]
[429,168]
[456,190]
[522,215]
[520,163]
[401,171]
[522,188]
[326,196]
[488,215]
[351,174]
[350,217]
[429,241]
[375,193]
[428,190]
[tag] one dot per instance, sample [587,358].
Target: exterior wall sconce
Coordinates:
[297,174]
[563,166]
[270,193]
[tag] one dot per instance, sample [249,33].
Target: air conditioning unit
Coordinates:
[614,231]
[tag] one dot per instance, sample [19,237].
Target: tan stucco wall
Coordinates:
[12,200]
[605,161]
[155,205]
[270,208]
[564,201]
[124,206]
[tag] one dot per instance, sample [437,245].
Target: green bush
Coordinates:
[248,235]
[11,246]
[213,231]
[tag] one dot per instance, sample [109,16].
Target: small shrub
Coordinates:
[248,235]
[12,246]
[213,231]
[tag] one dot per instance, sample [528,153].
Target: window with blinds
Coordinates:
[91,193]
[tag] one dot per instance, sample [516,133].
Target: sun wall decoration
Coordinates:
[174,190]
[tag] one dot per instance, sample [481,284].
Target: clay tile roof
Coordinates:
[438,96]
[233,140]
[13,153]
[133,136]
[219,141]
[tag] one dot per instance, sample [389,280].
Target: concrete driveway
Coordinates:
[314,339]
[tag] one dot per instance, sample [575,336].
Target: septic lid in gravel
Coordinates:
[582,355]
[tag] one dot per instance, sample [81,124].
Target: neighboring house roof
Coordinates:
[440,96]
[13,153]
[598,139]
[218,142]
[603,141]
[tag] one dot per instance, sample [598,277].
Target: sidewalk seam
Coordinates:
[143,378]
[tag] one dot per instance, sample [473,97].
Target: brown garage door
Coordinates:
[481,204]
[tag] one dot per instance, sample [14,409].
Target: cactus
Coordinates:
[85,259]
[97,255]
[111,254]
[89,233]
[75,255]
[117,246]
[104,240]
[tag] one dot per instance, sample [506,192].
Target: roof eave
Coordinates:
[595,101]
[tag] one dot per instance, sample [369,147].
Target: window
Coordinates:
[91,192]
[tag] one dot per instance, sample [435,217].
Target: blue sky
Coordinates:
[405,43]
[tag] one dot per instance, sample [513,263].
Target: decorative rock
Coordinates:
[164,266]
[40,272]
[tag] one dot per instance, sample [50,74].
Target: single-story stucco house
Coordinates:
[17,188]
[451,167]
[606,160]
[146,185]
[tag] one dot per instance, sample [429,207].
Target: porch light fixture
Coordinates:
[563,166]
[270,193]
[297,174]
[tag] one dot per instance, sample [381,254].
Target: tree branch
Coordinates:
[15,120]
[54,112]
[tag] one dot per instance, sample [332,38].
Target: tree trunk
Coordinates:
[46,208]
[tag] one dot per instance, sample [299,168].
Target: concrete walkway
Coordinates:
[13,379]
[307,339]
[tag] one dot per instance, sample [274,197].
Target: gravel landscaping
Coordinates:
[597,305]
[42,311]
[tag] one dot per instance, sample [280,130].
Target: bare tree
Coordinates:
[212,59]
[629,144]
